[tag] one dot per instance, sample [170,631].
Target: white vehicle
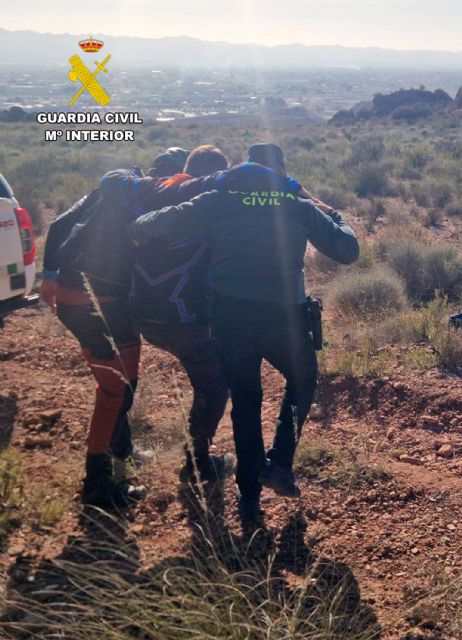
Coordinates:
[17,247]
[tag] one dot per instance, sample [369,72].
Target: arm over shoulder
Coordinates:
[188,218]
[58,232]
[147,194]
[329,233]
[138,194]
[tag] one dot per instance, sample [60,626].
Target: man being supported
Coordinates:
[168,304]
[88,266]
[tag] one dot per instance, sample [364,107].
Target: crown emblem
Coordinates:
[90,45]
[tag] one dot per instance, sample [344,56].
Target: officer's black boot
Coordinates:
[280,479]
[249,506]
[211,468]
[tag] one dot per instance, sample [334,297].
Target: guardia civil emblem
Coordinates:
[81,73]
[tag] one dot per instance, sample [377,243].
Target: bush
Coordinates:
[371,180]
[424,269]
[414,159]
[429,326]
[337,198]
[306,143]
[366,260]
[443,271]
[421,194]
[322,263]
[311,457]
[426,323]
[417,156]
[11,488]
[442,192]
[436,193]
[405,257]
[449,349]
[367,150]
[454,210]
[434,217]
[398,329]
[367,295]
[363,362]
[375,210]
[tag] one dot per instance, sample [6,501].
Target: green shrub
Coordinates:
[11,490]
[372,209]
[428,322]
[439,345]
[44,506]
[436,193]
[443,271]
[448,348]
[306,143]
[10,476]
[371,180]
[406,257]
[424,269]
[337,198]
[398,329]
[369,294]
[414,159]
[442,192]
[366,260]
[311,456]
[421,194]
[322,263]
[363,362]
[434,217]
[454,210]
[341,469]
[417,156]
[366,150]
[430,326]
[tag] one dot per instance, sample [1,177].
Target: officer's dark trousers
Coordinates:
[195,349]
[246,333]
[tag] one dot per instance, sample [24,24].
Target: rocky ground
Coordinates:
[380,468]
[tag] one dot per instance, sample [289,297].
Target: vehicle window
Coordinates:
[5,189]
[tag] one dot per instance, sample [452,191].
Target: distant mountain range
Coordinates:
[32,48]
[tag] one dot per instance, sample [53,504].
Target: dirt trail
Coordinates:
[380,471]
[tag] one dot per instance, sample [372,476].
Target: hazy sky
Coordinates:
[400,24]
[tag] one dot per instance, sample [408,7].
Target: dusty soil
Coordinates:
[380,470]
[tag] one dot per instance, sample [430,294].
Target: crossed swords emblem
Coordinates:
[89,82]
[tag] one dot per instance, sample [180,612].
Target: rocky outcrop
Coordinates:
[363,108]
[458,99]
[16,114]
[405,104]
[384,105]
[343,117]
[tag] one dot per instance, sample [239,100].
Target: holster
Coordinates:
[314,310]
